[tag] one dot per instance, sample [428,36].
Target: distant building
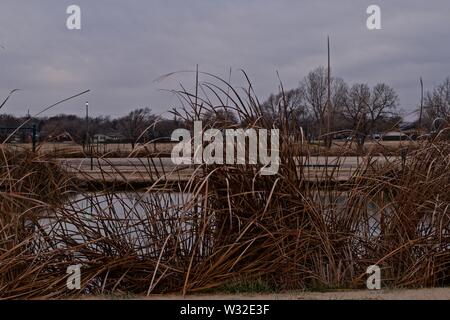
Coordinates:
[395,136]
[107,138]
[101,138]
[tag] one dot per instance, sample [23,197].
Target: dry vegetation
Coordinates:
[107,150]
[164,149]
[232,225]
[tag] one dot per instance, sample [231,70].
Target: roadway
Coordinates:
[149,170]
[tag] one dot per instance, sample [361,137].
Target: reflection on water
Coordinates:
[134,222]
[146,223]
[123,202]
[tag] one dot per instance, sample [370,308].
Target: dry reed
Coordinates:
[229,222]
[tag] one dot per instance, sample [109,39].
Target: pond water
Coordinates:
[146,223]
[139,222]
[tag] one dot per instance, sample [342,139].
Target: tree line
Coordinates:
[357,110]
[140,125]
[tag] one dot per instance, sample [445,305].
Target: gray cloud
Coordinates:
[125,45]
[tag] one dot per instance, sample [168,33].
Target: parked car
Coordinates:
[376,136]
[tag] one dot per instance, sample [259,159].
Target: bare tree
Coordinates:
[338,101]
[356,108]
[65,126]
[134,125]
[291,103]
[365,108]
[383,103]
[314,88]
[219,118]
[437,103]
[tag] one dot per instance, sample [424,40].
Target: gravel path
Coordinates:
[397,294]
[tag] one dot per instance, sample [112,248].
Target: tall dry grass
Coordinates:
[227,222]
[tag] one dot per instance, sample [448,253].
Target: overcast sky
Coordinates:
[124,46]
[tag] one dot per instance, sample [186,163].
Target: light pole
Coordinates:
[328,138]
[87,143]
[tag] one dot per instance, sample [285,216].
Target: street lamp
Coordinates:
[87,143]
[87,125]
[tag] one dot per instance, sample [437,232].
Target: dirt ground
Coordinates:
[164,146]
[397,294]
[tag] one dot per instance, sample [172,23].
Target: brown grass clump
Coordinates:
[228,223]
